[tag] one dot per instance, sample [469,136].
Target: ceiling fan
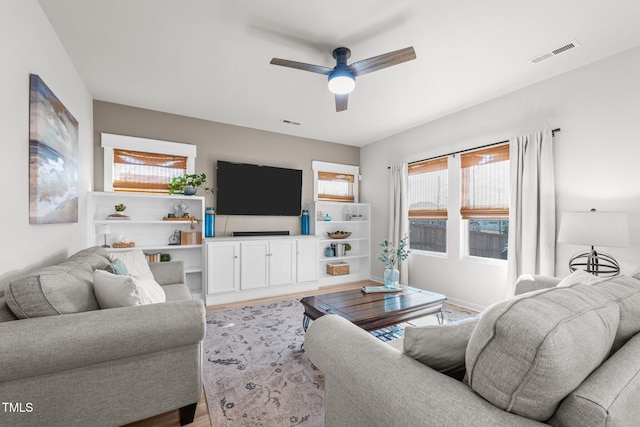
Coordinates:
[342,77]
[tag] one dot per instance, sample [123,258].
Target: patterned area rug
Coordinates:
[255,373]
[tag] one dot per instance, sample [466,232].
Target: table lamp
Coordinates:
[105,229]
[594,229]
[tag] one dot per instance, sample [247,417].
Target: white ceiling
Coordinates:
[209,59]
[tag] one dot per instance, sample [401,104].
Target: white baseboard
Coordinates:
[225,298]
[465,304]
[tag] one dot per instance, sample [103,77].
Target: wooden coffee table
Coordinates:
[376,310]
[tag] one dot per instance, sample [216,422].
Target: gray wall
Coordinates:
[218,141]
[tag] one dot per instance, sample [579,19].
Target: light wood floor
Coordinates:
[171,418]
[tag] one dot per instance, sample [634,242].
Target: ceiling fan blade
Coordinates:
[302,66]
[385,60]
[341,102]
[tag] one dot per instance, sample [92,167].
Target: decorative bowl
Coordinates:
[339,234]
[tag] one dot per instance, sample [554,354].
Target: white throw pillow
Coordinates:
[135,262]
[441,347]
[123,291]
[580,277]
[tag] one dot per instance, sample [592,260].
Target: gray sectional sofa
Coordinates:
[69,363]
[553,355]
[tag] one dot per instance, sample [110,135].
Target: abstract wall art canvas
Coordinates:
[53,158]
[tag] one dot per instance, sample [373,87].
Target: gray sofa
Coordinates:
[91,367]
[561,356]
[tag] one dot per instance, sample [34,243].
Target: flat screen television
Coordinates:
[246,189]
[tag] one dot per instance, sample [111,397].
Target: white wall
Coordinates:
[28,44]
[596,165]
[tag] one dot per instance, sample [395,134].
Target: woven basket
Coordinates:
[337,268]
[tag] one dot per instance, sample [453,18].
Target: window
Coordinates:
[334,182]
[144,165]
[428,199]
[145,172]
[485,201]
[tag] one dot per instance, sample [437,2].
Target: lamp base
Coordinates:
[596,263]
[105,246]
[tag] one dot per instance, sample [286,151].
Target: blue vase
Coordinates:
[189,191]
[391,278]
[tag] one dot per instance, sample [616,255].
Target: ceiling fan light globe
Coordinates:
[341,80]
[341,85]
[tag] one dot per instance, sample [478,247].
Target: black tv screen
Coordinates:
[245,189]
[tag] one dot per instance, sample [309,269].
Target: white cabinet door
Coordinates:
[307,260]
[282,265]
[254,264]
[223,267]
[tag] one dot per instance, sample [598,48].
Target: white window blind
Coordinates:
[485,183]
[428,189]
[336,187]
[145,172]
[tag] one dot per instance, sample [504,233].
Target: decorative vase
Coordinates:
[391,277]
[189,190]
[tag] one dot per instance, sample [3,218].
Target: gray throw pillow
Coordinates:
[441,347]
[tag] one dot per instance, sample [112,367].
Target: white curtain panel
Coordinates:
[399,211]
[532,209]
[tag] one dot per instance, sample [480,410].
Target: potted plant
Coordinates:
[188,184]
[392,256]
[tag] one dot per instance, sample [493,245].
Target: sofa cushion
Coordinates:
[59,289]
[626,291]
[95,257]
[114,290]
[6,315]
[608,397]
[527,354]
[177,292]
[580,277]
[441,347]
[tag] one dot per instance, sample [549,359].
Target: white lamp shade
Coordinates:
[594,228]
[104,229]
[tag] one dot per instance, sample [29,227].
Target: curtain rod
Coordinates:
[453,153]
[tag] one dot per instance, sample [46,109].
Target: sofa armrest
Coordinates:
[43,345]
[369,383]
[534,282]
[168,273]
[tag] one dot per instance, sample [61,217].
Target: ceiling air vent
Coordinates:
[557,51]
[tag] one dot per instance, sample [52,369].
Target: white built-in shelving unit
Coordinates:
[351,217]
[147,229]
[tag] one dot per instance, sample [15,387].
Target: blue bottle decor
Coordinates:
[210,222]
[304,222]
